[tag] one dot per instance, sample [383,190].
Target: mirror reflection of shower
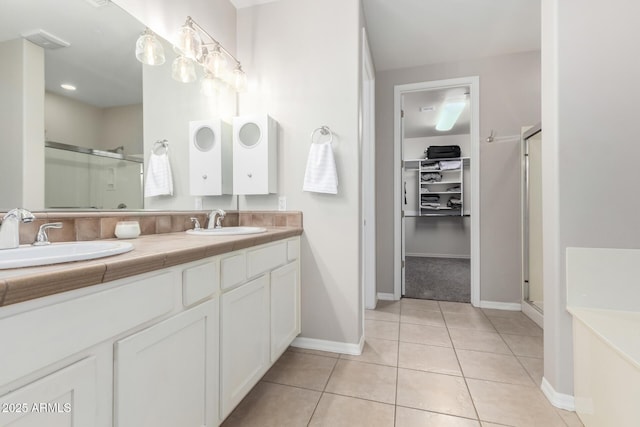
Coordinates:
[85,178]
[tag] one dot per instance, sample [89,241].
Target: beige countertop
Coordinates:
[150,252]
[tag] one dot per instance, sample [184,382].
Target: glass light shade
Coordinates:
[149,50]
[189,42]
[215,62]
[183,70]
[239,80]
[210,86]
[449,115]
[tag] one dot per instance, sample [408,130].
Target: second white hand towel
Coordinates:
[321,175]
[159,181]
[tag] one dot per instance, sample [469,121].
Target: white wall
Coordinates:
[22,124]
[509,99]
[590,119]
[302,59]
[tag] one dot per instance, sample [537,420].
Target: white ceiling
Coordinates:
[410,33]
[100,61]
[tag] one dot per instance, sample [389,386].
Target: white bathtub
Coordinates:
[603,296]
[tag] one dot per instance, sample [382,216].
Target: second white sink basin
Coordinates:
[226,231]
[55,253]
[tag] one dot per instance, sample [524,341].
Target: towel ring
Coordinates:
[324,130]
[160,145]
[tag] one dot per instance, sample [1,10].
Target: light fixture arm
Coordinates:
[213,41]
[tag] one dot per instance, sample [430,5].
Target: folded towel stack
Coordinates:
[430,200]
[454,203]
[431,176]
[446,165]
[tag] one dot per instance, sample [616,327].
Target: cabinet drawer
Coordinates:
[200,282]
[51,333]
[232,270]
[266,258]
[293,249]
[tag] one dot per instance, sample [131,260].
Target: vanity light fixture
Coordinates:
[149,50]
[450,113]
[197,46]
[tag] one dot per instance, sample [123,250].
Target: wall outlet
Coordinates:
[282,203]
[198,206]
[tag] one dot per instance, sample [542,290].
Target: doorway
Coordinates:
[450,201]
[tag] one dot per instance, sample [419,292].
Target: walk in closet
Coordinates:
[436,199]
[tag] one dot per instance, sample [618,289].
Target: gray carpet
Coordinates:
[440,279]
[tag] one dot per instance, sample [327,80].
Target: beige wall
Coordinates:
[305,75]
[509,99]
[22,124]
[74,122]
[589,123]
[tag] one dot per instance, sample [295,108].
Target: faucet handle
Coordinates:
[41,238]
[196,223]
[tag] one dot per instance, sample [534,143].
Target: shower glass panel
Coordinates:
[533,285]
[81,178]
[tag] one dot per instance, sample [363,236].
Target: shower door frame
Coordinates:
[529,309]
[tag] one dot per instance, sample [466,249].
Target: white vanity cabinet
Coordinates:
[65,398]
[166,375]
[168,348]
[244,340]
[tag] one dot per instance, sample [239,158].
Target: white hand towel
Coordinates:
[159,181]
[321,175]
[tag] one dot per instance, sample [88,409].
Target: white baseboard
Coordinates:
[383,296]
[423,255]
[331,346]
[533,314]
[496,305]
[559,400]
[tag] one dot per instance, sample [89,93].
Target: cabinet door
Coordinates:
[167,375]
[285,308]
[65,398]
[244,340]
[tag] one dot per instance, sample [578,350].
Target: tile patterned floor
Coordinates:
[424,363]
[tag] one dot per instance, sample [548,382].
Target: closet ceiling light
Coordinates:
[425,109]
[449,114]
[68,86]
[194,46]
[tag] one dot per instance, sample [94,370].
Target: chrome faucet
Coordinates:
[41,238]
[10,228]
[212,218]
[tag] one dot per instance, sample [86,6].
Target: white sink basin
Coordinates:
[226,231]
[55,253]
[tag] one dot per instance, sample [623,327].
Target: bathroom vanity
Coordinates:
[178,345]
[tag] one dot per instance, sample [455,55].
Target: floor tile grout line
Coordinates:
[464,378]
[359,398]
[441,413]
[333,368]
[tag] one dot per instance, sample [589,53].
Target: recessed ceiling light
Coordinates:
[67,86]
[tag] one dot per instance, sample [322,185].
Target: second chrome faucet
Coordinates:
[216,222]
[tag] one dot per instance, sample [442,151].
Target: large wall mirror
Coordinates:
[98,136]
[93,99]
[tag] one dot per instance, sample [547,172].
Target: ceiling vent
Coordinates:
[98,3]
[45,40]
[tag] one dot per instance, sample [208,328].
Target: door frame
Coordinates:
[474,103]
[368,178]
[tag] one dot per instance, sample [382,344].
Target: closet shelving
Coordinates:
[450,186]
